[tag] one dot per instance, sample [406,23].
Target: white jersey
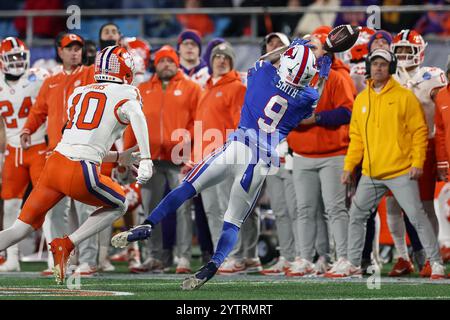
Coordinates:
[422,81]
[16,99]
[97,117]
[200,77]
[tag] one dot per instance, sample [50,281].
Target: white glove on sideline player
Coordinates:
[145,171]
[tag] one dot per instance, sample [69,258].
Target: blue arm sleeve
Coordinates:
[334,118]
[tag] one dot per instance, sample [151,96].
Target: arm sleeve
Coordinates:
[133,112]
[335,118]
[355,151]
[441,154]
[418,129]
[38,112]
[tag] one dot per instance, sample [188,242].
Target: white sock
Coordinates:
[397,227]
[18,231]
[97,221]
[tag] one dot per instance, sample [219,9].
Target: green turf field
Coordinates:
[122,285]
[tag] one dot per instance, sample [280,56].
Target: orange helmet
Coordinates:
[14,56]
[114,64]
[413,40]
[140,46]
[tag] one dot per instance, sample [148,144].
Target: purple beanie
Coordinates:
[190,34]
[377,35]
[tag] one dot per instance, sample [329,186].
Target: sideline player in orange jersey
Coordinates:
[97,116]
[19,86]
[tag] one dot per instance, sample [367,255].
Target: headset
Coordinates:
[392,64]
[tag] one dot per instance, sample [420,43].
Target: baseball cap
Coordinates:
[70,38]
[284,39]
[386,55]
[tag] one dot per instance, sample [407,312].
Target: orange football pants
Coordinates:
[20,167]
[79,180]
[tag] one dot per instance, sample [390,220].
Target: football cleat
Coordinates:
[343,269]
[200,277]
[426,270]
[61,249]
[437,271]
[300,268]
[278,269]
[183,266]
[123,239]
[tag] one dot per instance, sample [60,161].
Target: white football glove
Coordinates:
[145,171]
[282,148]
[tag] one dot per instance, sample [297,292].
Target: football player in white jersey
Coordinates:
[409,48]
[19,86]
[97,116]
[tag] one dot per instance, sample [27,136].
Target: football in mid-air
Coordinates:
[341,38]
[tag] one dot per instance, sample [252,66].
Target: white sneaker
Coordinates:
[279,268]
[183,266]
[85,270]
[232,266]
[106,266]
[300,268]
[343,269]
[321,266]
[253,265]
[10,265]
[437,271]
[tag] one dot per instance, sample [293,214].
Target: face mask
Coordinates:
[107,43]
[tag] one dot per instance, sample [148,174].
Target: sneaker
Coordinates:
[85,270]
[278,269]
[200,277]
[10,266]
[426,270]
[106,266]
[2,260]
[61,249]
[150,265]
[437,271]
[123,239]
[47,272]
[321,266]
[133,257]
[184,266]
[401,268]
[419,258]
[253,265]
[300,268]
[119,256]
[343,269]
[445,254]
[232,266]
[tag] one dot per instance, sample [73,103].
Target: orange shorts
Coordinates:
[20,167]
[80,180]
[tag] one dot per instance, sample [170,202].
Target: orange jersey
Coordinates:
[219,108]
[442,122]
[166,111]
[51,102]
[316,141]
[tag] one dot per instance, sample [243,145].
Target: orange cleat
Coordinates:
[401,268]
[426,270]
[61,249]
[2,259]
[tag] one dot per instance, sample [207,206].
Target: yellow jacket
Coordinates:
[388,131]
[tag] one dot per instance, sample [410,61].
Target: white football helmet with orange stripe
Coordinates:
[114,64]
[297,65]
[14,56]
[409,39]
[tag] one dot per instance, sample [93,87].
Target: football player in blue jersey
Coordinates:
[277,100]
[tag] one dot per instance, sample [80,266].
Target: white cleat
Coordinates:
[123,239]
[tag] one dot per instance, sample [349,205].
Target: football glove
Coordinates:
[302,42]
[129,157]
[145,171]
[324,66]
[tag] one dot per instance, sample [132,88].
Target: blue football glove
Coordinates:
[324,66]
[302,42]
